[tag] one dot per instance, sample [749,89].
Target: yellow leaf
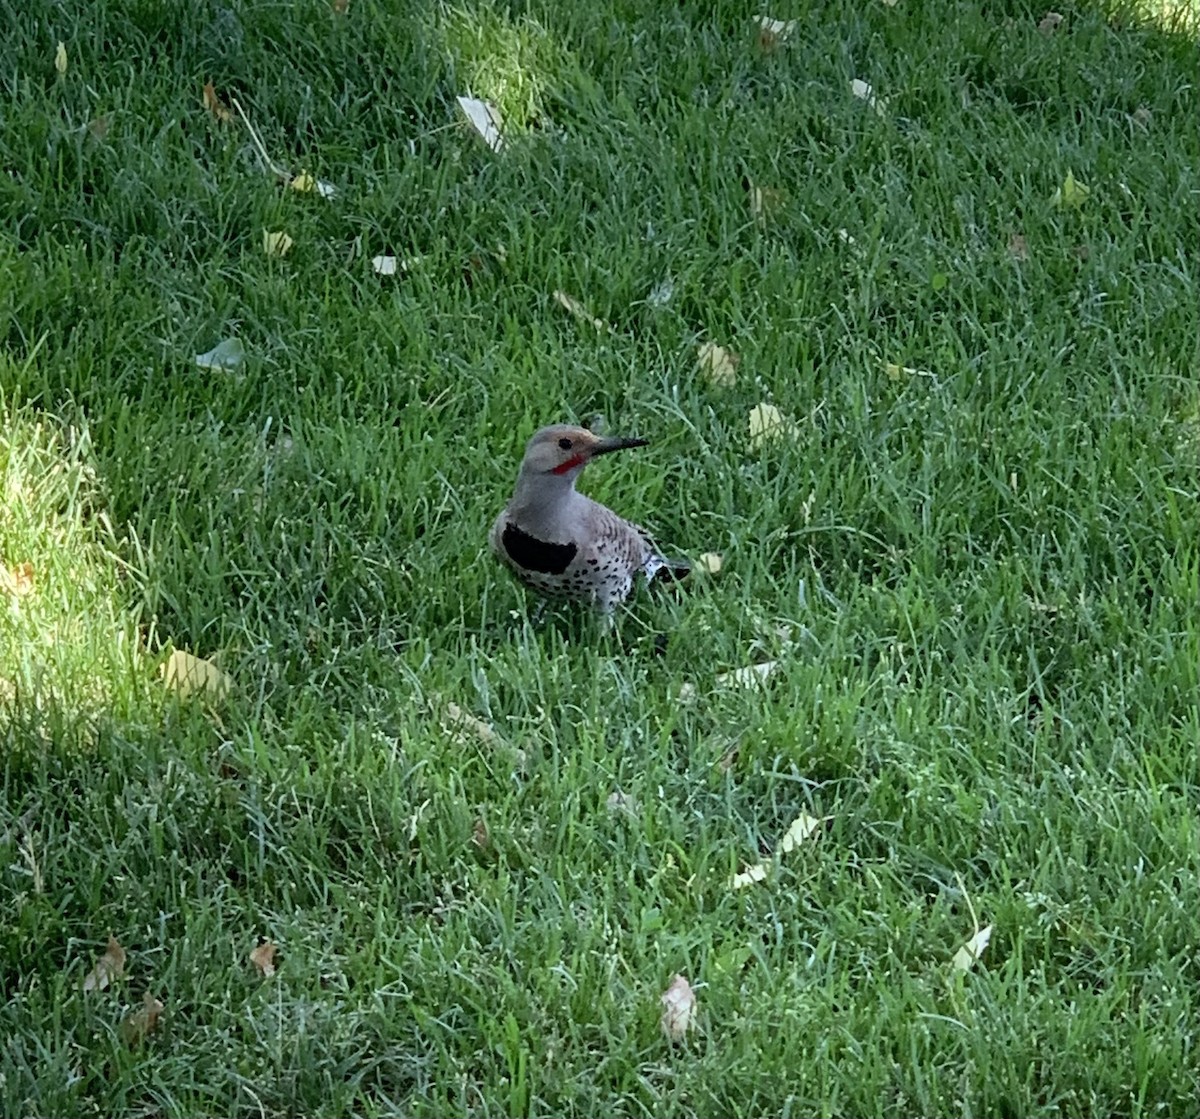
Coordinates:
[768,423]
[717,364]
[215,105]
[187,676]
[679,1009]
[277,243]
[303,183]
[17,581]
[580,311]
[60,58]
[801,828]
[1071,193]
[710,562]
[966,957]
[108,967]
[263,958]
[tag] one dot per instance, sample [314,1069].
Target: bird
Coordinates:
[560,542]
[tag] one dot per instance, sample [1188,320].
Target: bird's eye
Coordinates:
[565,444]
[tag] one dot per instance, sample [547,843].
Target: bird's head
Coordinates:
[563,451]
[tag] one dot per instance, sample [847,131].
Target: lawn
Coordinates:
[482,843]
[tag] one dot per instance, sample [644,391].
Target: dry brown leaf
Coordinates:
[1018,249]
[1049,23]
[679,1009]
[108,967]
[188,676]
[17,581]
[215,105]
[479,834]
[143,1022]
[718,365]
[263,958]
[580,311]
[456,719]
[773,32]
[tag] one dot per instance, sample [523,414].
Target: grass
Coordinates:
[979,579]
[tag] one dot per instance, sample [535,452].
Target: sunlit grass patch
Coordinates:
[70,650]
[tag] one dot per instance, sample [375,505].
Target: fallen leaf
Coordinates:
[717,364]
[187,676]
[263,958]
[768,423]
[1071,193]
[225,355]
[142,1023]
[661,293]
[764,201]
[99,126]
[896,372]
[749,676]
[215,105]
[580,311]
[966,957]
[1017,247]
[1142,117]
[845,237]
[864,92]
[385,265]
[710,562]
[485,118]
[800,829]
[304,183]
[276,243]
[1049,23]
[340,7]
[679,1009]
[773,32]
[756,873]
[456,719]
[108,967]
[621,802]
[479,834]
[60,58]
[17,581]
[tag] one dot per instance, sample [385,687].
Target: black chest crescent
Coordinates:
[536,555]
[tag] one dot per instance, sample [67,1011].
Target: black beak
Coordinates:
[617,443]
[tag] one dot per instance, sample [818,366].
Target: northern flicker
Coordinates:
[563,544]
